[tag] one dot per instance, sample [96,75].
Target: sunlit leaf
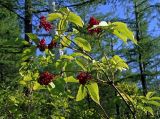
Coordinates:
[65,42]
[70,79]
[124,31]
[149,95]
[66,57]
[37,86]
[153,103]
[82,43]
[82,93]
[54,16]
[150,110]
[119,63]
[93,91]
[33,37]
[155,98]
[74,18]
[80,54]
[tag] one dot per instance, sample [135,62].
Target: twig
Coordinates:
[107,117]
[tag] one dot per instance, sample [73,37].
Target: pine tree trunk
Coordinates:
[28,18]
[140,62]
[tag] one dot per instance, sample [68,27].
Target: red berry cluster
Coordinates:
[45,24]
[42,45]
[45,78]
[83,77]
[93,21]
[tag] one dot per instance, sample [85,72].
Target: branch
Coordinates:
[3,5]
[151,6]
[80,3]
[73,5]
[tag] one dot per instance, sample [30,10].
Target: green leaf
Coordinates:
[80,54]
[33,37]
[74,18]
[52,85]
[119,63]
[37,86]
[119,29]
[70,79]
[82,93]
[27,77]
[64,10]
[81,64]
[149,95]
[153,103]
[59,85]
[13,98]
[93,91]
[155,98]
[122,31]
[82,43]
[65,41]
[62,26]
[22,82]
[150,110]
[66,57]
[54,16]
[119,35]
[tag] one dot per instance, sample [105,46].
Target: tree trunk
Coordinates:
[28,18]
[140,62]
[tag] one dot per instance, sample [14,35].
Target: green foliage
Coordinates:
[93,91]
[33,37]
[57,100]
[82,43]
[117,28]
[82,93]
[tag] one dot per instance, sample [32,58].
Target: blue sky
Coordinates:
[120,12]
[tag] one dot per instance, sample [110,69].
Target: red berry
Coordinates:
[42,42]
[83,77]
[42,45]
[45,24]
[92,22]
[45,78]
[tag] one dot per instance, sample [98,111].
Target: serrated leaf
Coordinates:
[33,37]
[74,18]
[70,79]
[82,43]
[54,16]
[82,93]
[93,91]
